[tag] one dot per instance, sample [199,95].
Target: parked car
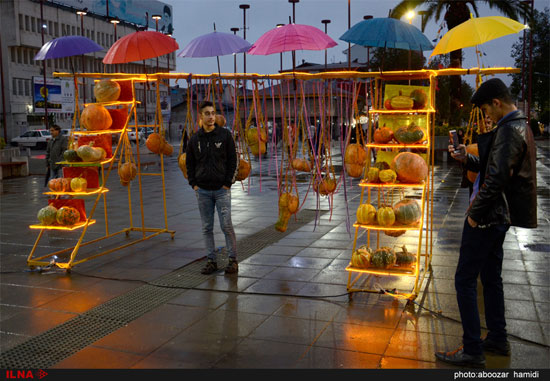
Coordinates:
[33,138]
[132,136]
[147,131]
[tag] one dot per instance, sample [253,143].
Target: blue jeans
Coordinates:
[221,200]
[481,254]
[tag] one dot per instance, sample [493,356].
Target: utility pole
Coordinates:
[326,29]
[244,7]
[45,95]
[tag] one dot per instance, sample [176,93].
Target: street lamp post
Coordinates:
[235,30]
[325,22]
[349,27]
[410,16]
[83,13]
[44,66]
[294,22]
[281,54]
[368,17]
[115,21]
[244,7]
[157,18]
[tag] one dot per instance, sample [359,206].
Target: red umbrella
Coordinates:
[140,46]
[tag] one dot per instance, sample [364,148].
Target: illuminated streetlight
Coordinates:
[410,15]
[157,18]
[83,13]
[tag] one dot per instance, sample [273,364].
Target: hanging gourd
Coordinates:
[127,171]
[301,164]
[326,186]
[95,118]
[182,163]
[155,143]
[355,158]
[106,90]
[243,171]
[256,142]
[410,168]
[167,149]
[288,205]
[219,120]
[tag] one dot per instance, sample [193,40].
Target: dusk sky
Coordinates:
[193,18]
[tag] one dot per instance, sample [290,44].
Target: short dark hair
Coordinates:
[492,89]
[55,127]
[205,104]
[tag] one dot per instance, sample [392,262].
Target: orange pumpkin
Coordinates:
[155,143]
[256,149]
[167,149]
[182,163]
[127,171]
[301,164]
[220,120]
[60,184]
[355,158]
[383,135]
[326,186]
[106,90]
[410,168]
[472,149]
[95,117]
[243,171]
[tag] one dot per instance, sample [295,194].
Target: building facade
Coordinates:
[21,28]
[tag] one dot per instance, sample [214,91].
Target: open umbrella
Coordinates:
[476,31]
[291,37]
[140,46]
[215,44]
[386,32]
[67,46]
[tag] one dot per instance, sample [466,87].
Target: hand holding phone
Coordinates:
[453,137]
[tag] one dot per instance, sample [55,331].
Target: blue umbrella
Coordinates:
[67,46]
[386,32]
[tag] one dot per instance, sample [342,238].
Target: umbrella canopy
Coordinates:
[66,46]
[215,44]
[476,31]
[291,37]
[140,46]
[386,32]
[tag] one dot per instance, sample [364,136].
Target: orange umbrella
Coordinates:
[140,46]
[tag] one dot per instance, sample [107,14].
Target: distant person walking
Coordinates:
[504,195]
[57,145]
[211,169]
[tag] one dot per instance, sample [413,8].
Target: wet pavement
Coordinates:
[148,306]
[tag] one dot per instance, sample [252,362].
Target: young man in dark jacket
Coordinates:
[57,145]
[211,168]
[504,195]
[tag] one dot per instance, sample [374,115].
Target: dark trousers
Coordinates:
[481,254]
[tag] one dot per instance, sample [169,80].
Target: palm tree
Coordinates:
[456,12]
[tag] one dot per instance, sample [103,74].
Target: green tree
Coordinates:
[540,101]
[455,13]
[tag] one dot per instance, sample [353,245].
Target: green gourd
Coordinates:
[405,258]
[47,215]
[407,211]
[409,134]
[383,258]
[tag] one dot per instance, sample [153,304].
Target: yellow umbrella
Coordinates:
[476,31]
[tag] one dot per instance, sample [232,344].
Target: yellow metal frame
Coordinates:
[105,167]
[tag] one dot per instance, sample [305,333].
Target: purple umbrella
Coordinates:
[66,46]
[215,44]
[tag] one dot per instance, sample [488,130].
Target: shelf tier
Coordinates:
[112,103]
[98,132]
[390,228]
[397,271]
[396,145]
[409,111]
[89,192]
[58,227]
[364,183]
[85,163]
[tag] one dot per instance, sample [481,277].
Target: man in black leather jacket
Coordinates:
[504,195]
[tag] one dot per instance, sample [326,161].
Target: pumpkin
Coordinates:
[355,158]
[288,205]
[182,164]
[258,149]
[95,118]
[167,149]
[88,153]
[300,164]
[252,136]
[383,258]
[243,170]
[67,216]
[361,257]
[419,97]
[410,168]
[326,186]
[220,120]
[383,135]
[127,171]
[366,214]
[106,90]
[385,216]
[47,215]
[372,175]
[387,176]
[71,156]
[60,184]
[404,258]
[409,134]
[407,211]
[401,102]
[381,165]
[394,233]
[472,150]
[155,143]
[79,184]
[387,104]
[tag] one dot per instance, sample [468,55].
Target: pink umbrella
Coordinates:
[291,37]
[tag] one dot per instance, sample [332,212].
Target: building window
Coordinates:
[25,56]
[27,23]
[14,86]
[33,24]
[56,29]
[38,25]
[27,87]
[21,25]
[19,60]
[12,54]
[73,29]
[50,28]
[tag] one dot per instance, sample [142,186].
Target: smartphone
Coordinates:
[453,136]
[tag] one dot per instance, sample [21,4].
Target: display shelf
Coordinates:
[86,163]
[113,103]
[397,145]
[407,111]
[60,227]
[388,228]
[394,271]
[99,132]
[367,184]
[89,192]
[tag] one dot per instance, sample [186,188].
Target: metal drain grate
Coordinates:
[64,340]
